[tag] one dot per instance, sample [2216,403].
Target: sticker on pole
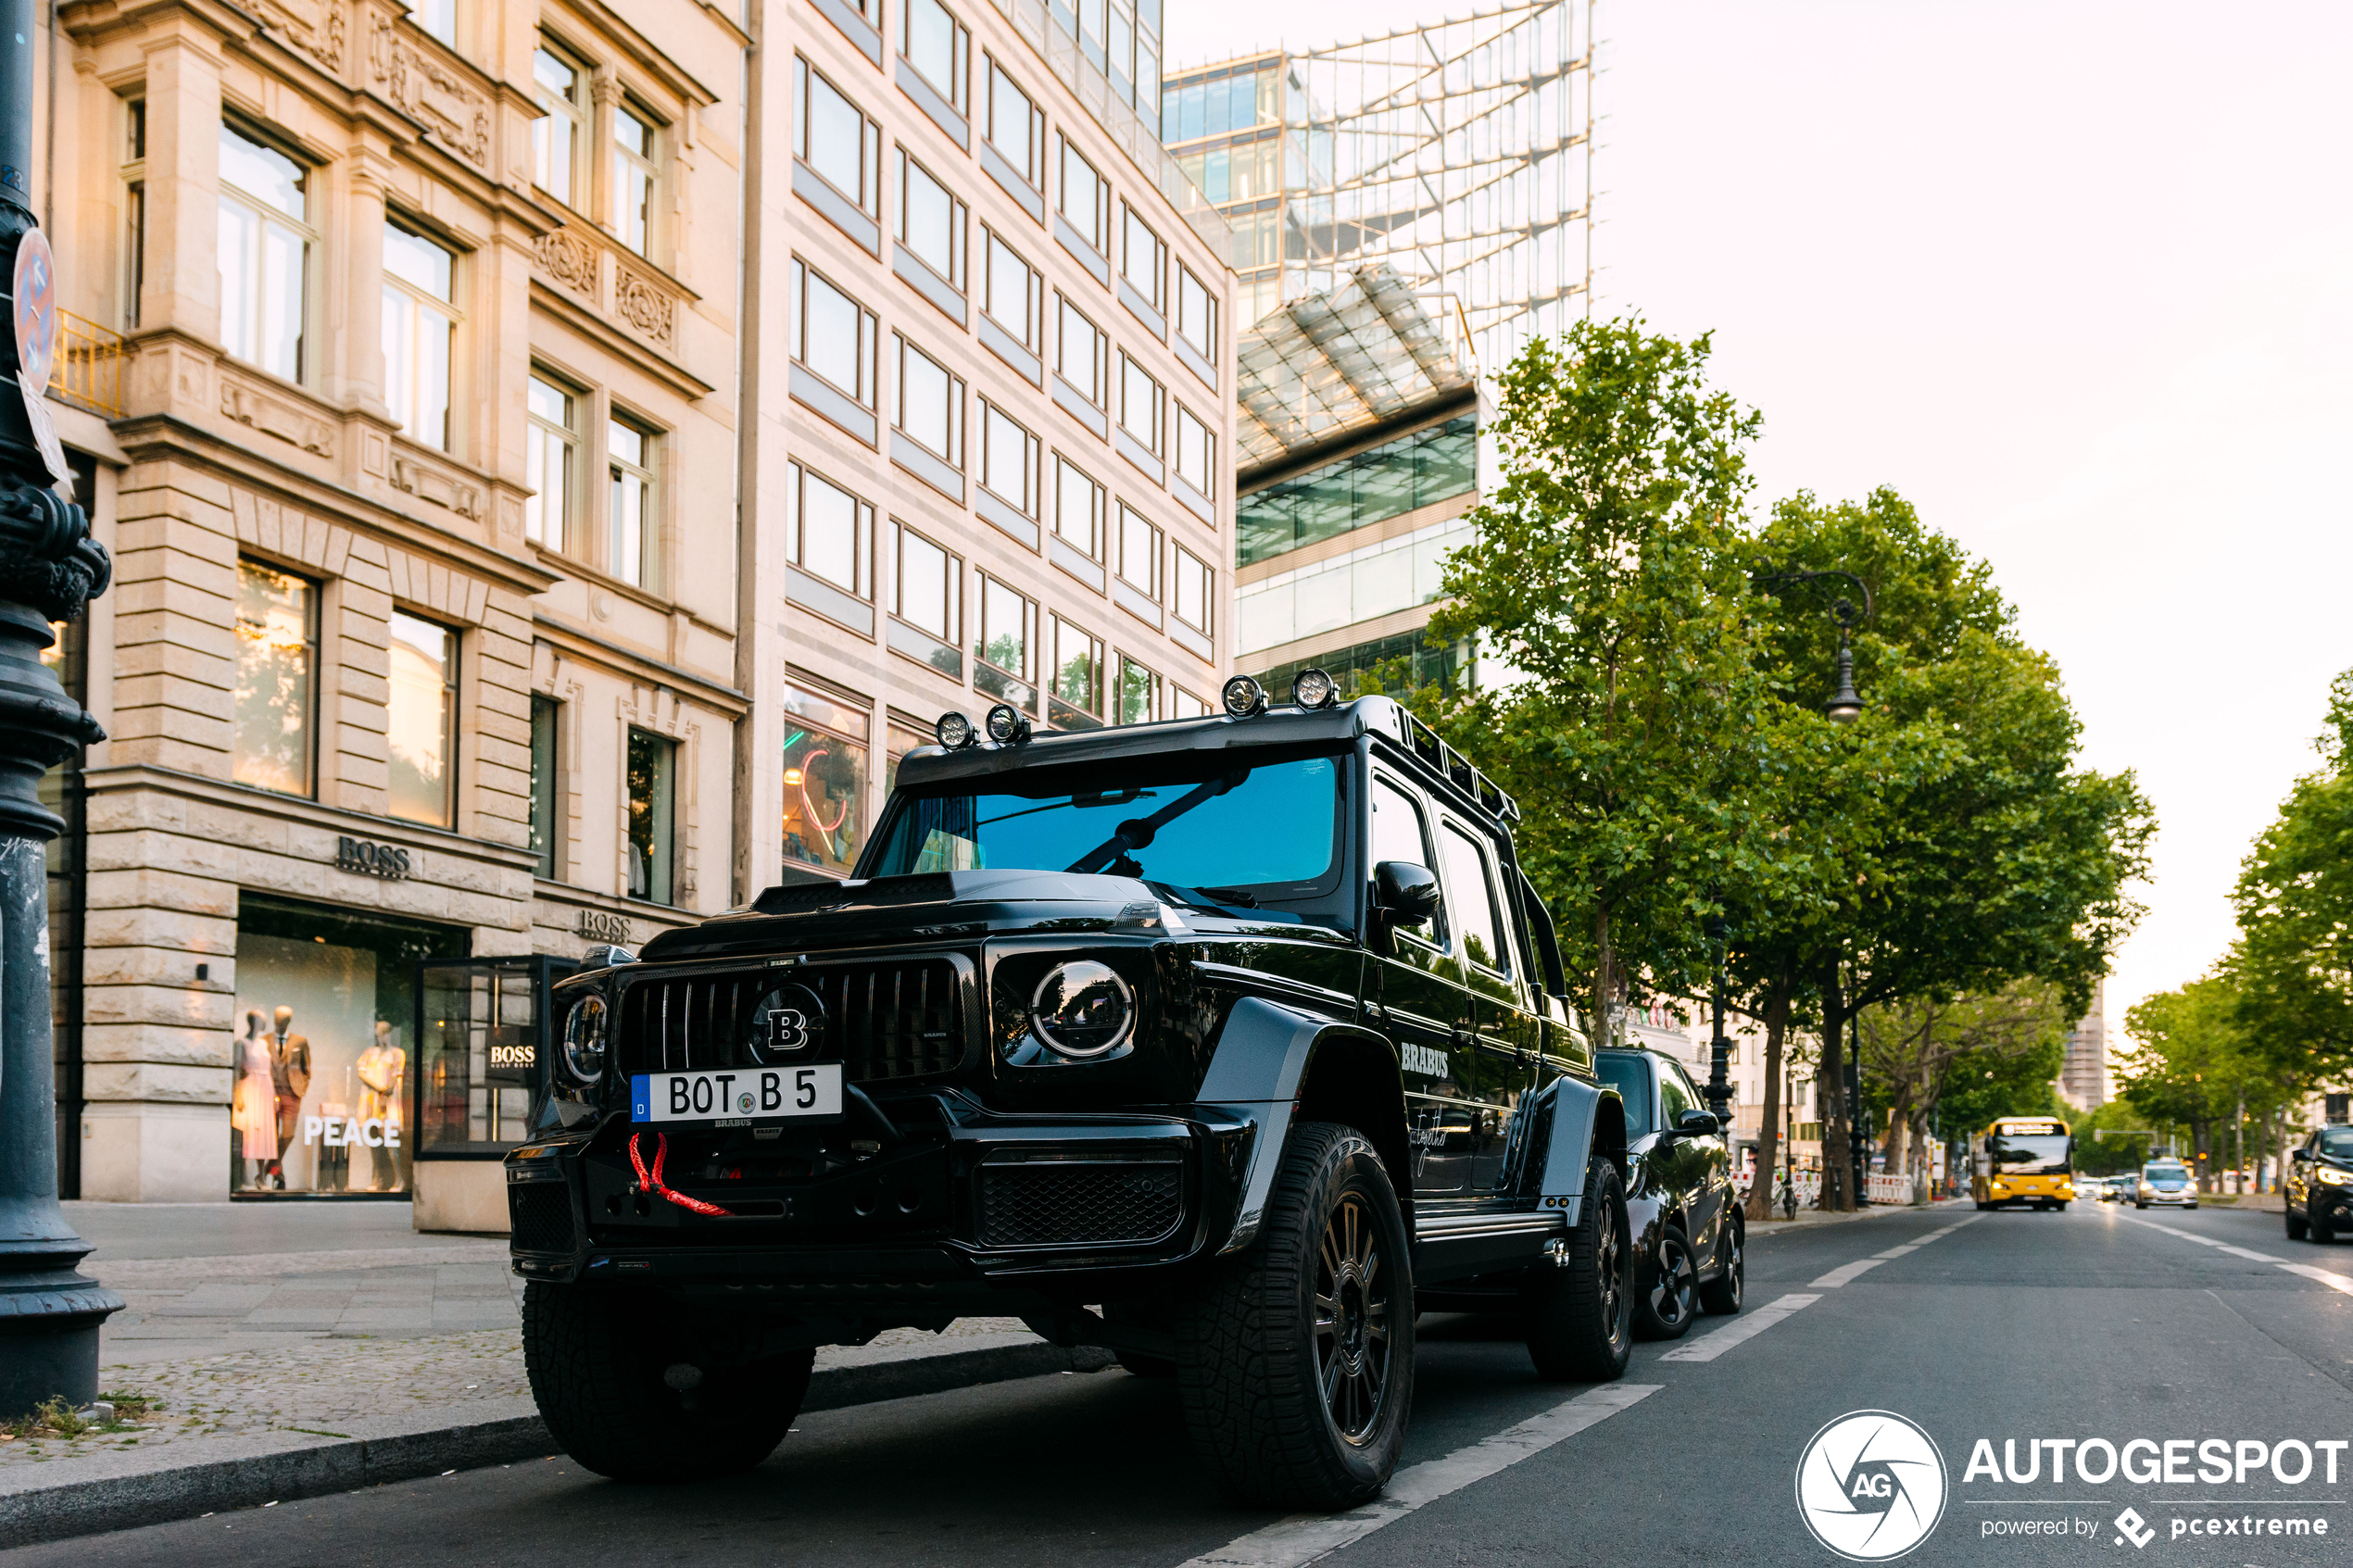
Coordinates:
[36,311]
[1872,1486]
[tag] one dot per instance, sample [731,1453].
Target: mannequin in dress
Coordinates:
[253,1111]
[382,1066]
[289,1081]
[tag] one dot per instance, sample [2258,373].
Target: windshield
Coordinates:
[1266,832]
[2032,1154]
[2338,1143]
[2165,1175]
[1630,1077]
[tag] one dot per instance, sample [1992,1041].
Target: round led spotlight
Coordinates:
[1007,724]
[955,731]
[1082,1009]
[1244,697]
[1313,688]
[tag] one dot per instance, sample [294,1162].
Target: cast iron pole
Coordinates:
[50,567]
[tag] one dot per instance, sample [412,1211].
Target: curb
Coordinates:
[99,1493]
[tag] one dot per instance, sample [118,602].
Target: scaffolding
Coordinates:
[1459,153]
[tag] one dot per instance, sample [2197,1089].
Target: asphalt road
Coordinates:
[2093,1324]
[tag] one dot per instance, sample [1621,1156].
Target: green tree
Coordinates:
[2195,1065]
[2295,902]
[1946,843]
[1606,572]
[1916,1051]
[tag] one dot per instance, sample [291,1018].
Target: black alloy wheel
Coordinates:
[2295,1224]
[1724,1294]
[1295,1363]
[1352,1316]
[1671,1295]
[1581,1312]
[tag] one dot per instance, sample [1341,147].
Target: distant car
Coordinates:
[2117,1189]
[2167,1183]
[1680,1205]
[2319,1186]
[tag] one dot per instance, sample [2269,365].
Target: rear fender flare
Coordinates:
[1275,1064]
[1586,1119]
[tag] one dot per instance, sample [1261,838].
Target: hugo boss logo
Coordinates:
[387,860]
[601,925]
[512,1056]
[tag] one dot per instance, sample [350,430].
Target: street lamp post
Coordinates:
[50,567]
[1719,1049]
[1843,707]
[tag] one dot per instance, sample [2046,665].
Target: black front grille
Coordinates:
[901,1019]
[1049,1203]
[540,1213]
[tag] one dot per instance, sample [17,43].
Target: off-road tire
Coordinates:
[1579,1328]
[1724,1294]
[598,1360]
[1254,1343]
[1667,1297]
[2296,1225]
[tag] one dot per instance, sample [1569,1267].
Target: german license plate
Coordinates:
[750,1093]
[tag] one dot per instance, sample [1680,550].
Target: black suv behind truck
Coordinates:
[1226,1042]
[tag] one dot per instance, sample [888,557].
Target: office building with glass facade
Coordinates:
[1459,152]
[991,408]
[1359,441]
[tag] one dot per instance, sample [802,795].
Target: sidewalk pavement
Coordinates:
[1808,1218]
[290,1350]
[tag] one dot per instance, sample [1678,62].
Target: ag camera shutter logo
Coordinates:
[1872,1486]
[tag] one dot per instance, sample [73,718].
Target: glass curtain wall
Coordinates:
[1459,152]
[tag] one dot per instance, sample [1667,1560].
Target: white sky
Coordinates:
[2076,277]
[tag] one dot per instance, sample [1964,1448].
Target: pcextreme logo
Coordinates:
[1870,1486]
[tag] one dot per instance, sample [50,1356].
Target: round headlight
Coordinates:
[584,1039]
[1244,697]
[1007,724]
[1313,689]
[955,731]
[1082,1009]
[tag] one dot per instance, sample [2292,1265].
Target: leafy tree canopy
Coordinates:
[2294,903]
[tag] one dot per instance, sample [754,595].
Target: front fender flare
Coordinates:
[1259,1068]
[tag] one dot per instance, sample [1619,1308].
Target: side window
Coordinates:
[1674,1095]
[1398,834]
[1471,891]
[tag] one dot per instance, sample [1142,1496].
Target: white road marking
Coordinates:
[2307,1271]
[1846,1273]
[1748,1325]
[1305,1537]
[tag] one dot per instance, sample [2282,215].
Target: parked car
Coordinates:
[1247,1029]
[2320,1185]
[2167,1183]
[1690,1236]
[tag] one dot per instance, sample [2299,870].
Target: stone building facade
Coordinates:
[407,404]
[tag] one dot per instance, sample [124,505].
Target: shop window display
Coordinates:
[324,1025]
[824,783]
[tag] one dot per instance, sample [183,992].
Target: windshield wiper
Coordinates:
[1241,896]
[1137,833]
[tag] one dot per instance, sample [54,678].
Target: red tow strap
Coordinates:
[651,1180]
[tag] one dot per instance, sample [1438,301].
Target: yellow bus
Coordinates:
[2024,1159]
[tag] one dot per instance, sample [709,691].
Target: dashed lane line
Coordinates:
[1748,1325]
[1302,1539]
[1847,1273]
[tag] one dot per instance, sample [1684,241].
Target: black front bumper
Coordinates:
[968,1202]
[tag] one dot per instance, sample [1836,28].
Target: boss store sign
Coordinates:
[392,861]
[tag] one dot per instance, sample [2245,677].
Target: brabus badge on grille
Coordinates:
[785,1021]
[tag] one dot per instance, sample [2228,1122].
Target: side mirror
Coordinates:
[1407,891]
[2302,1156]
[1696,1124]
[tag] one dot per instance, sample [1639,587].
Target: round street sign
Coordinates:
[35,312]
